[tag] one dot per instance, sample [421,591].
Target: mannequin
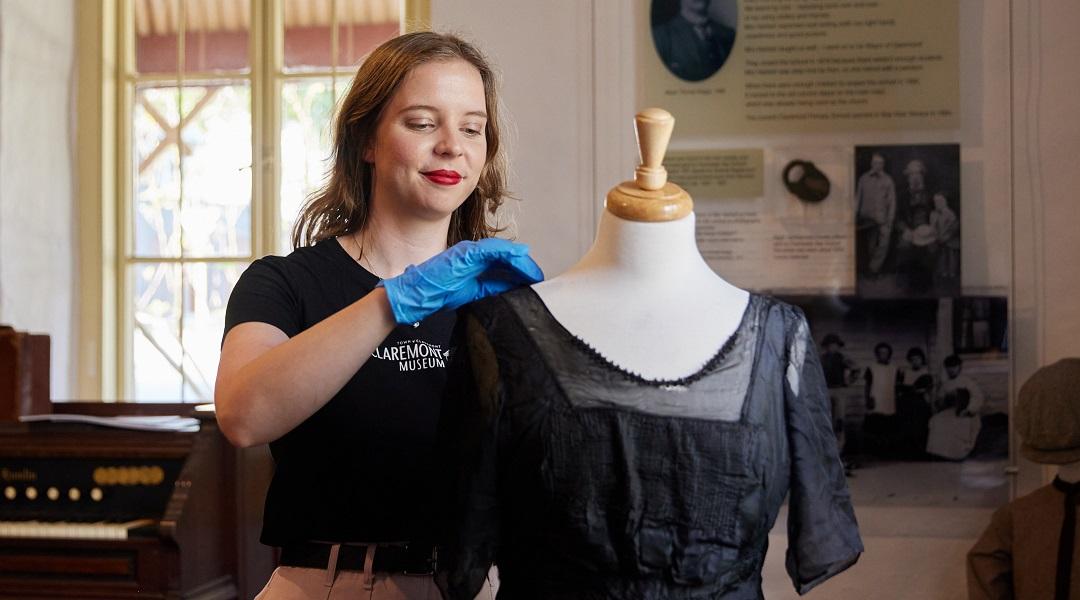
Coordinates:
[1029,549]
[631,428]
[675,311]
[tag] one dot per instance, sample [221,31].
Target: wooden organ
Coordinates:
[99,512]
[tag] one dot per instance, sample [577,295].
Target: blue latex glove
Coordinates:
[464,272]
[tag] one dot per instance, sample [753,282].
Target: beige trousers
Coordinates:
[298,583]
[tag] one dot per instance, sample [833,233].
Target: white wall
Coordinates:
[1046,143]
[543,53]
[37,285]
[1047,150]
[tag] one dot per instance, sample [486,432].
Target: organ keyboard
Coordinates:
[100,530]
[92,512]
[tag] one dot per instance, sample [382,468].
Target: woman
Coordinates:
[879,429]
[336,354]
[913,391]
[954,428]
[946,238]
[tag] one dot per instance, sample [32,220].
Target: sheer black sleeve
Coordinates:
[470,424]
[823,537]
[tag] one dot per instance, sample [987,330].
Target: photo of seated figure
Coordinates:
[955,426]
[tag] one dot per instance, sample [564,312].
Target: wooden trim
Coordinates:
[125,86]
[47,563]
[89,19]
[96,131]
[268,25]
[192,78]
[187,260]
[416,16]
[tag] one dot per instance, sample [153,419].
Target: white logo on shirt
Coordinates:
[414,355]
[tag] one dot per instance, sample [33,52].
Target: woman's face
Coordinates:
[939,202]
[429,146]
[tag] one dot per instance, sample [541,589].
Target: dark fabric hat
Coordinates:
[1048,413]
[832,338]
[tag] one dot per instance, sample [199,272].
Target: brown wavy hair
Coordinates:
[342,206]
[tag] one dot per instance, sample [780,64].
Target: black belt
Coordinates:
[406,559]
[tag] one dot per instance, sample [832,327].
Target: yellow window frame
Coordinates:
[104,193]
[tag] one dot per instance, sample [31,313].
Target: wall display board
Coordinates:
[824,147]
[760,66]
[791,233]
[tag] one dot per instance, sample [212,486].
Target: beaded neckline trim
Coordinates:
[640,379]
[597,357]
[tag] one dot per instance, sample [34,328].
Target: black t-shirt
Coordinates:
[362,468]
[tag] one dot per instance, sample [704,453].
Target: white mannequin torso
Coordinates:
[644,298]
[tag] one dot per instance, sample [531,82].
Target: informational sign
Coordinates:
[718,173]
[782,66]
[789,229]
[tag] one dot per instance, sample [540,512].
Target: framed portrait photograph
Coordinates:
[694,38]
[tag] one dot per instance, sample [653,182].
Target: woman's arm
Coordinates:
[267,383]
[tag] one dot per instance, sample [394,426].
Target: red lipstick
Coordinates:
[443,177]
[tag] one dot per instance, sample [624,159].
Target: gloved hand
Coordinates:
[464,272]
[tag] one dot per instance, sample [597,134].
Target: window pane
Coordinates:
[155,344]
[217,170]
[362,25]
[215,36]
[174,359]
[307,34]
[156,23]
[207,287]
[306,109]
[157,172]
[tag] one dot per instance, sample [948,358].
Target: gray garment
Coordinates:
[876,208]
[582,480]
[875,196]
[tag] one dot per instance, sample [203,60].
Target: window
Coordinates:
[224,110]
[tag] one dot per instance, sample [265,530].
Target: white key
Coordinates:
[65,530]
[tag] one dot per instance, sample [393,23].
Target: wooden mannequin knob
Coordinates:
[649,197]
[653,128]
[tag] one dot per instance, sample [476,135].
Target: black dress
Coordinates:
[582,480]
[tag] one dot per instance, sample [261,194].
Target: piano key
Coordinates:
[70,530]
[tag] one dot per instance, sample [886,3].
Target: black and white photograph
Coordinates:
[907,221]
[694,38]
[919,420]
